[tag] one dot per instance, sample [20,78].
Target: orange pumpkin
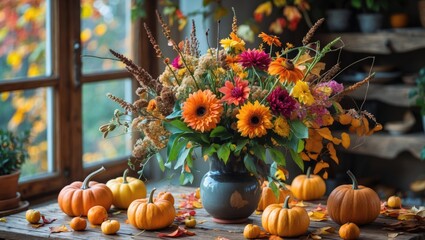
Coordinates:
[394,202]
[353,203]
[149,215]
[308,186]
[78,224]
[32,216]
[349,231]
[279,219]
[165,196]
[109,227]
[268,197]
[251,231]
[126,189]
[77,198]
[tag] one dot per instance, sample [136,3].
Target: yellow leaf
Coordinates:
[317,217]
[332,152]
[392,235]
[318,68]
[327,120]
[346,141]
[325,133]
[324,230]
[280,175]
[264,8]
[336,141]
[3,219]
[319,166]
[58,229]
[325,175]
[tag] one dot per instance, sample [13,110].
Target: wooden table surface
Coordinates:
[16,227]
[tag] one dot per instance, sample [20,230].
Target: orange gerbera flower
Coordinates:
[254,120]
[270,39]
[285,69]
[202,111]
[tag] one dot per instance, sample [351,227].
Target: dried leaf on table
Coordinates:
[177,233]
[275,237]
[316,216]
[3,219]
[393,235]
[221,238]
[46,220]
[190,201]
[301,204]
[58,229]
[116,213]
[324,230]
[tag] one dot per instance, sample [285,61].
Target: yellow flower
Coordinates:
[202,111]
[234,44]
[301,91]
[281,127]
[254,120]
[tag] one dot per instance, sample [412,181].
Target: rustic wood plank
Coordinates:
[17,227]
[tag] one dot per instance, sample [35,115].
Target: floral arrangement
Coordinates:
[240,103]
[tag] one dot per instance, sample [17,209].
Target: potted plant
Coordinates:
[370,17]
[418,94]
[13,154]
[338,16]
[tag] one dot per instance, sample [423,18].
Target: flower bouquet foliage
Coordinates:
[241,103]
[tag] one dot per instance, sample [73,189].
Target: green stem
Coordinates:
[124,177]
[86,181]
[151,196]
[308,172]
[286,203]
[353,179]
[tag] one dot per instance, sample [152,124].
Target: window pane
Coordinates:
[25,39]
[31,110]
[105,24]
[98,110]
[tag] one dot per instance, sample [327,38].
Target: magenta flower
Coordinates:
[255,58]
[177,63]
[281,103]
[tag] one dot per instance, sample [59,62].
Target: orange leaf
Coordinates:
[325,133]
[336,141]
[304,156]
[319,166]
[365,124]
[317,216]
[275,237]
[345,119]
[346,141]
[325,175]
[58,229]
[332,152]
[313,156]
[312,145]
[327,120]
[177,233]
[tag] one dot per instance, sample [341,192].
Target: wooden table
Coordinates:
[16,227]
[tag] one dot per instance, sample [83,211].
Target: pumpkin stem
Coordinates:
[308,172]
[151,195]
[124,176]
[286,203]
[353,179]
[85,184]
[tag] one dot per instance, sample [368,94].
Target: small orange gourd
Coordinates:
[78,224]
[251,231]
[32,216]
[149,215]
[126,189]
[97,215]
[268,197]
[394,202]
[308,186]
[109,227]
[353,203]
[349,231]
[165,196]
[77,198]
[279,219]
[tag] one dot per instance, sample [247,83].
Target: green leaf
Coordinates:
[423,154]
[177,147]
[248,161]
[259,151]
[274,188]
[186,178]
[209,150]
[300,146]
[223,152]
[241,144]
[220,132]
[176,126]
[299,129]
[277,156]
[160,160]
[182,157]
[297,159]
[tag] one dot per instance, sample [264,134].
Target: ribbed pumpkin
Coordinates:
[149,215]
[251,231]
[268,197]
[77,198]
[353,203]
[279,219]
[166,196]
[126,189]
[308,186]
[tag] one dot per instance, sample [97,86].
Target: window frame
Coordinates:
[67,92]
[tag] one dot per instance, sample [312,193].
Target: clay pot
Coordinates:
[399,20]
[9,185]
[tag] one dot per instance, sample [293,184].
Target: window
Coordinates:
[55,71]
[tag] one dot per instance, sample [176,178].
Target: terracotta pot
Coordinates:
[10,203]
[9,185]
[399,20]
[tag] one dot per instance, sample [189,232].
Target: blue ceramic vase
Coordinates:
[229,193]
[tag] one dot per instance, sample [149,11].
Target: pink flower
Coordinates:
[235,94]
[281,103]
[255,58]
[177,63]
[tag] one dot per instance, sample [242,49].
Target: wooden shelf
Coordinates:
[388,146]
[383,42]
[394,94]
